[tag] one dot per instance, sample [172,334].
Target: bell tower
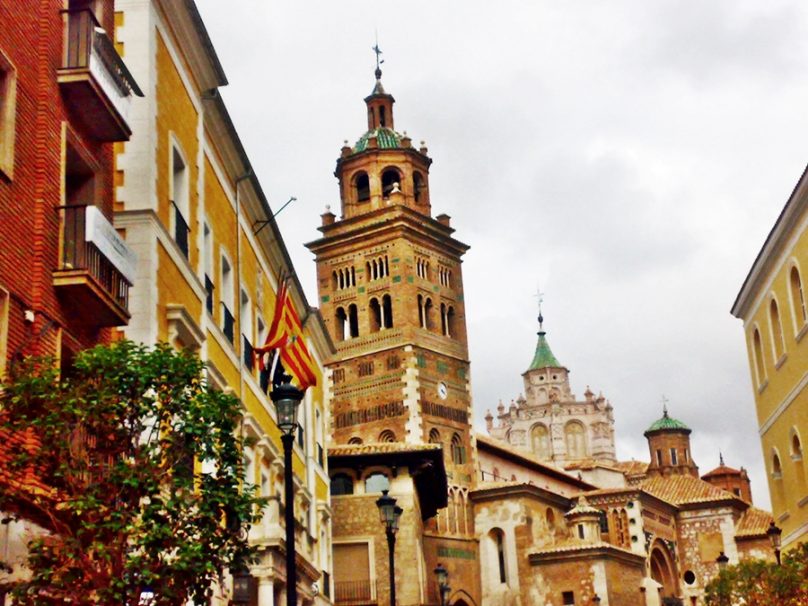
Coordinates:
[391,293]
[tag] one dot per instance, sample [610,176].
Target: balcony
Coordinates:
[96,270]
[354,593]
[94,80]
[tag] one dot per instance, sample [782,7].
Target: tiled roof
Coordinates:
[386,138]
[570,545]
[380,448]
[684,489]
[753,523]
[632,468]
[666,422]
[544,356]
[722,470]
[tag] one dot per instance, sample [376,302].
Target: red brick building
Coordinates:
[64,271]
[64,98]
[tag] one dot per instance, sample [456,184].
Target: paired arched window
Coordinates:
[540,441]
[391,179]
[458,450]
[387,436]
[797,298]
[447,320]
[381,313]
[355,440]
[377,268]
[778,343]
[422,268]
[346,324]
[574,434]
[341,483]
[434,436]
[757,352]
[361,184]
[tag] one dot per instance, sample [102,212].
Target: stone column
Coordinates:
[266,591]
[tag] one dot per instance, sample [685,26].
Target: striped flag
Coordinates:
[286,335]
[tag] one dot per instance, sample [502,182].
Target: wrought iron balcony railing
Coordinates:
[181,229]
[228,324]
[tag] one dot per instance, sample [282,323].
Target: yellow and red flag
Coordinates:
[286,335]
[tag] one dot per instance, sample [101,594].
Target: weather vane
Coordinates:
[540,298]
[664,405]
[378,52]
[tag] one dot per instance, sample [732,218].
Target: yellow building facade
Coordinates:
[773,308]
[210,258]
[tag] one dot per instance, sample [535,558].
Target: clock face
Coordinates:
[442,390]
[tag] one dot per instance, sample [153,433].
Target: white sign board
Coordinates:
[100,232]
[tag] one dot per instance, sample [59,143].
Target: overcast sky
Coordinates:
[629,156]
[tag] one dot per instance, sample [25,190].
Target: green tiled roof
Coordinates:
[386,138]
[667,422]
[543,356]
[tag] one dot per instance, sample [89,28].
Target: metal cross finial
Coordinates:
[664,405]
[540,298]
[721,457]
[378,52]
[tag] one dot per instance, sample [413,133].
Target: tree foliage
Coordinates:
[142,467]
[763,583]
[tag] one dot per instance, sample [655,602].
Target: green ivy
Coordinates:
[117,439]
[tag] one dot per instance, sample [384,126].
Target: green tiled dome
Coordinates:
[667,422]
[544,356]
[386,138]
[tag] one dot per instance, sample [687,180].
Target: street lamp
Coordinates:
[241,588]
[389,513]
[722,561]
[596,599]
[443,583]
[286,398]
[774,533]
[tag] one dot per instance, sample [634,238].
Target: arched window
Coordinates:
[382,117]
[376,482]
[443,327]
[549,517]
[419,188]
[341,483]
[429,313]
[353,320]
[421,319]
[796,446]
[458,450]
[451,323]
[355,440]
[777,468]
[757,348]
[387,436]
[362,187]
[387,311]
[376,321]
[340,323]
[575,439]
[434,436]
[334,281]
[390,177]
[797,298]
[540,441]
[778,345]
[498,539]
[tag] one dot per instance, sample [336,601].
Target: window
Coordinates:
[355,440]
[8,111]
[540,441]
[419,188]
[393,362]
[603,523]
[757,348]
[376,482]
[228,321]
[365,369]
[352,580]
[777,468]
[341,483]
[674,458]
[344,277]
[796,446]
[387,436]
[458,450]
[353,320]
[339,375]
[778,345]
[361,187]
[575,439]
[387,312]
[659,458]
[207,263]
[581,531]
[434,436]
[568,598]
[390,181]
[4,306]
[376,319]
[377,268]
[496,543]
[245,318]
[797,298]
[549,517]
[179,200]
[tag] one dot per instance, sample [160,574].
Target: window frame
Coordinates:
[8,115]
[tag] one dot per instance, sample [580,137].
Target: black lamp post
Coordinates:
[286,398]
[389,513]
[596,599]
[722,560]
[443,583]
[774,533]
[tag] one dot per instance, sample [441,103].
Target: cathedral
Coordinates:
[540,510]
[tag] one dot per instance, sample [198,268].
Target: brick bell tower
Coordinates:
[391,292]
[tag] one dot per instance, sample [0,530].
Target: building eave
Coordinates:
[483,493]
[772,248]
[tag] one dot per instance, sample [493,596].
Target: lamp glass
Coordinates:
[387,510]
[722,560]
[287,399]
[397,511]
[774,535]
[442,574]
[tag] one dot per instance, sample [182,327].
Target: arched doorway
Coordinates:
[662,570]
